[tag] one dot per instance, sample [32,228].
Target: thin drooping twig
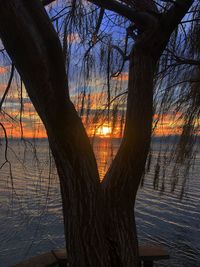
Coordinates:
[6,155]
[95,38]
[108,80]
[8,86]
[21,109]
[6,145]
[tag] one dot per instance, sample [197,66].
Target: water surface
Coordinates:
[31,215]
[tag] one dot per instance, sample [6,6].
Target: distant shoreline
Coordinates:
[154,138]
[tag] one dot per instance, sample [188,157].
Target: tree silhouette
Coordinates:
[99,218]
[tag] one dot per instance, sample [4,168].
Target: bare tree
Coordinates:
[99,218]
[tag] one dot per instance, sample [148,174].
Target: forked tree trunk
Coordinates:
[99,224]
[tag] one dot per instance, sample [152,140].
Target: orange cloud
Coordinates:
[168,124]
[3,70]
[73,38]
[2,88]
[28,130]
[31,126]
[96,123]
[123,76]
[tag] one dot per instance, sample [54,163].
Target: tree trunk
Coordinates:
[38,57]
[100,229]
[123,178]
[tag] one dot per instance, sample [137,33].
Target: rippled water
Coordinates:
[31,214]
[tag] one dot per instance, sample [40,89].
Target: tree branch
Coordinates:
[141,19]
[47,2]
[176,13]
[181,60]
[112,5]
[115,6]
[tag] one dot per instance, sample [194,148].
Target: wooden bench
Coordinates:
[148,254]
[47,259]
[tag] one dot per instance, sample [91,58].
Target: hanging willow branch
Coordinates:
[8,86]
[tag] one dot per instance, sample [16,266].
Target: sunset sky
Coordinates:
[22,120]
[29,125]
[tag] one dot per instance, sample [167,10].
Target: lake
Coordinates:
[31,215]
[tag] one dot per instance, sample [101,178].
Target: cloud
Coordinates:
[123,76]
[3,70]
[2,88]
[73,38]
[32,128]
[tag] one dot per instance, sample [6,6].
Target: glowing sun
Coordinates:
[104,131]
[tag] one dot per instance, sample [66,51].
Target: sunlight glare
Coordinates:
[104,130]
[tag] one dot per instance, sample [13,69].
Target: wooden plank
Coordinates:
[153,253]
[43,260]
[60,254]
[148,254]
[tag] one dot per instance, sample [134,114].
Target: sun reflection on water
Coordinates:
[105,150]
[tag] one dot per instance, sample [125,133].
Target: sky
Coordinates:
[20,119]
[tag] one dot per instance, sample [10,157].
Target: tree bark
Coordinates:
[34,47]
[123,178]
[100,228]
